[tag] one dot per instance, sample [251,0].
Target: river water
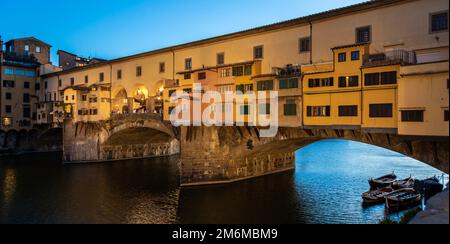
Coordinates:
[325,188]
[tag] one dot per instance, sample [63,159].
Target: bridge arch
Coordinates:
[240,153]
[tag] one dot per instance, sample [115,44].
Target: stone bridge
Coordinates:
[215,155]
[122,137]
[39,139]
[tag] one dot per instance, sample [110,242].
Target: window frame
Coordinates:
[301,40]
[186,62]
[341,111]
[255,48]
[344,55]
[410,118]
[369,27]
[220,58]
[374,116]
[431,31]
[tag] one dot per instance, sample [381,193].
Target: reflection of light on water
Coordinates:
[154,209]
[9,185]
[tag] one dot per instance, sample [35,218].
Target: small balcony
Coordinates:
[401,57]
[23,59]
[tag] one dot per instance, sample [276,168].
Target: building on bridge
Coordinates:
[344,68]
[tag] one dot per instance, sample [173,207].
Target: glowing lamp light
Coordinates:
[161,89]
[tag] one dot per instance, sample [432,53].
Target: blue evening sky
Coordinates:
[115,28]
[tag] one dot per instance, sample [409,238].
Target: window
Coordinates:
[248,69]
[226,72]
[162,67]
[119,74]
[73,97]
[363,34]
[38,49]
[238,71]
[29,73]
[72,81]
[446,116]
[226,88]
[312,83]
[290,107]
[8,96]
[26,98]
[318,111]
[27,48]
[202,76]
[20,72]
[342,82]
[220,58]
[187,90]
[326,82]
[26,85]
[439,22]
[9,83]
[372,79]
[381,110]
[172,92]
[37,86]
[288,83]
[305,44]
[7,121]
[59,83]
[8,109]
[353,81]
[348,111]
[412,116]
[244,88]
[188,64]
[264,109]
[265,85]
[9,71]
[342,57]
[388,78]
[86,79]
[138,71]
[187,76]
[258,52]
[355,55]
[245,109]
[26,112]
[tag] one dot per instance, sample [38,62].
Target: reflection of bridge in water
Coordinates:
[211,155]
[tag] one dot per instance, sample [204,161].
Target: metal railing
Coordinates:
[391,57]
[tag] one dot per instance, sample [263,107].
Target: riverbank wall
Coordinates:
[39,140]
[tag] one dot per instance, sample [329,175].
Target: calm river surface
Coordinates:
[325,188]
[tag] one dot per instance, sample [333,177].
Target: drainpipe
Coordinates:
[311,42]
[110,90]
[173,64]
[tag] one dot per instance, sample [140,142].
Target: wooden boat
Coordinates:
[376,196]
[405,183]
[429,187]
[382,182]
[402,199]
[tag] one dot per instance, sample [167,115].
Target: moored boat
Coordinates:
[376,196]
[429,187]
[405,183]
[402,199]
[382,182]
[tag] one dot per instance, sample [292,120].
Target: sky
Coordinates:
[116,28]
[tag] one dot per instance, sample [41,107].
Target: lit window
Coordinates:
[38,49]
[7,121]
[27,48]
